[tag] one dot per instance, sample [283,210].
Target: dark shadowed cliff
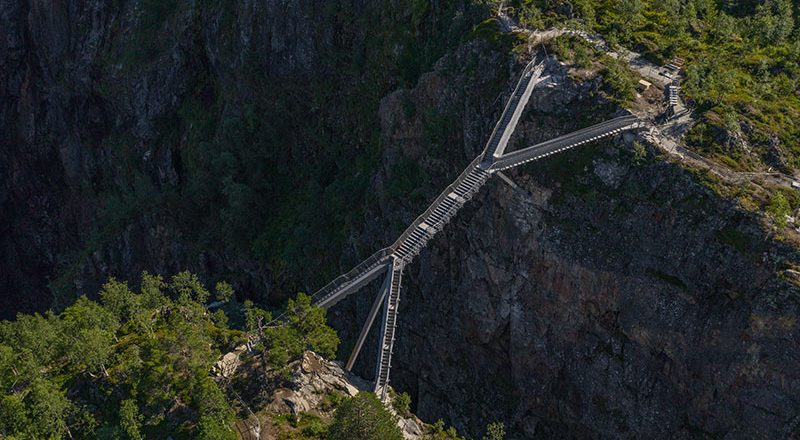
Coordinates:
[274,144]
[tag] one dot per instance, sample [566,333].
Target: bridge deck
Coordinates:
[507,123]
[388,326]
[394,258]
[565,142]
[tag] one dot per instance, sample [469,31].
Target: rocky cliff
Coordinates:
[614,294]
[274,144]
[234,138]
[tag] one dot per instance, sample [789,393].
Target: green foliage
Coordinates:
[303,426]
[489,30]
[130,419]
[402,403]
[495,431]
[223,292]
[117,368]
[363,417]
[639,153]
[618,80]
[778,208]
[572,49]
[304,329]
[741,65]
[438,432]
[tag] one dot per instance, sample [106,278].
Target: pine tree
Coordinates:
[363,417]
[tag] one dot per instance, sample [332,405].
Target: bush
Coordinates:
[363,417]
[402,403]
[618,80]
[495,431]
[779,208]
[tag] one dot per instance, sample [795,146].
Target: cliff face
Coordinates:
[614,295]
[617,295]
[161,136]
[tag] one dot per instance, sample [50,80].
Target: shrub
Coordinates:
[778,208]
[363,417]
[495,431]
[402,403]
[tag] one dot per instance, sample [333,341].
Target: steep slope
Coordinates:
[230,138]
[274,144]
[615,295]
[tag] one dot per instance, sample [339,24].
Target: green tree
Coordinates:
[402,403]
[311,327]
[631,13]
[130,419]
[363,417]
[773,21]
[495,431]
[303,328]
[119,299]
[188,287]
[438,432]
[14,418]
[224,292]
[209,428]
[145,344]
[48,407]
[90,331]
[216,415]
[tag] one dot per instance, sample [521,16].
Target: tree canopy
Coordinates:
[136,364]
[364,417]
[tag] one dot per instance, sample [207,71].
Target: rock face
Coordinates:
[313,381]
[620,297]
[130,132]
[313,378]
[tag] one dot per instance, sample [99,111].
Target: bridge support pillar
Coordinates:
[376,305]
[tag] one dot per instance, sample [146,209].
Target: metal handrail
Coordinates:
[435,203]
[607,127]
[369,263]
[498,129]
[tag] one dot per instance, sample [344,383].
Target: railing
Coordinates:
[511,105]
[388,328]
[330,288]
[567,141]
[461,177]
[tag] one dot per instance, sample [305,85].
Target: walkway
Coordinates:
[391,260]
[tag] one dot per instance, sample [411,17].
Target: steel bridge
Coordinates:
[389,262]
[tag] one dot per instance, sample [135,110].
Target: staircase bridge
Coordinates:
[389,262]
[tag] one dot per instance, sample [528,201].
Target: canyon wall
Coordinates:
[275,144]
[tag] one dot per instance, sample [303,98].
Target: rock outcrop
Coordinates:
[620,297]
[313,380]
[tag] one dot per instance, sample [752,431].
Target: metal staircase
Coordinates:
[440,211]
[388,329]
[674,89]
[392,260]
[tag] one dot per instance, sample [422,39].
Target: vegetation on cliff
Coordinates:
[136,364]
[741,72]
